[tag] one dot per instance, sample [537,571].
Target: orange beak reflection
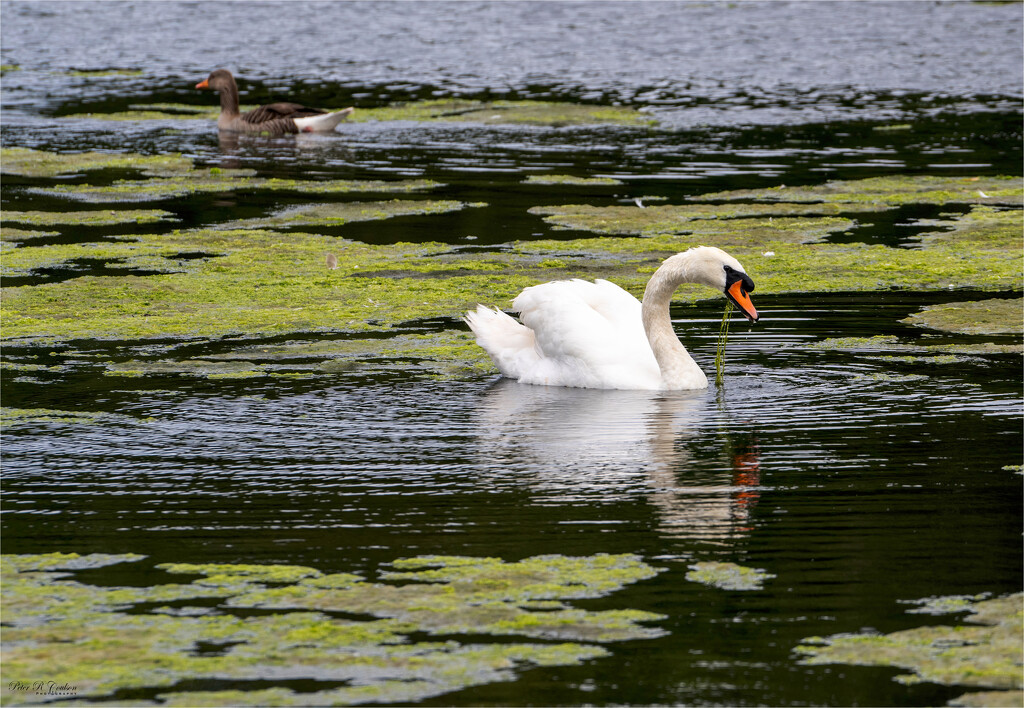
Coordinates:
[742,300]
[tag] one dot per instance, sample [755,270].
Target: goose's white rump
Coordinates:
[322,123]
[596,335]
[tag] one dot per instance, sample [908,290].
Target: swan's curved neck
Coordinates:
[678,368]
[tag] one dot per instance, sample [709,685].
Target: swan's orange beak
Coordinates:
[742,300]
[204,84]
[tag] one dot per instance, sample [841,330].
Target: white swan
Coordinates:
[596,335]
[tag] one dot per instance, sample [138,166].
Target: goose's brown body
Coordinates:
[274,118]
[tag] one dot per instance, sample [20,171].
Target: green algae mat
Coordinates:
[984,652]
[417,632]
[280,273]
[890,190]
[728,576]
[167,177]
[39,163]
[207,634]
[542,113]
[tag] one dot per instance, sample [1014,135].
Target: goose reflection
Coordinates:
[236,147]
[590,445]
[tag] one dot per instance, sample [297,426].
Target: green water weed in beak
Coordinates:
[723,337]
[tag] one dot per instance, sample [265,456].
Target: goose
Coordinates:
[596,335]
[273,118]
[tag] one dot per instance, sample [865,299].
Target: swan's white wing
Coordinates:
[588,335]
[617,306]
[571,317]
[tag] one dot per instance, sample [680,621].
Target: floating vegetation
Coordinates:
[37,163]
[100,217]
[187,367]
[986,226]
[890,343]
[344,213]
[186,108]
[8,233]
[751,235]
[543,113]
[263,282]
[976,317]
[172,176]
[945,605]
[20,366]
[442,354]
[457,595]
[256,282]
[723,337]
[937,359]
[571,180]
[677,218]
[125,254]
[979,249]
[218,180]
[10,417]
[893,190]
[547,113]
[157,111]
[62,561]
[793,268]
[547,577]
[101,640]
[984,653]
[728,576]
[990,699]
[103,73]
[888,378]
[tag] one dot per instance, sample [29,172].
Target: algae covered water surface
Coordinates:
[252,456]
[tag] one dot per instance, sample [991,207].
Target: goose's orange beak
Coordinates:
[204,84]
[742,300]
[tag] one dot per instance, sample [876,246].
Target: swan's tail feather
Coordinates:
[322,123]
[506,341]
[496,330]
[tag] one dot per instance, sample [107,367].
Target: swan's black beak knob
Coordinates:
[737,287]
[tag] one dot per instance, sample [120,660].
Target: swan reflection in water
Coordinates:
[598,446]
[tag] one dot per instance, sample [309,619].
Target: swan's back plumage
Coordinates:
[573,333]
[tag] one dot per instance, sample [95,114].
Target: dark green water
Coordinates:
[857,481]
